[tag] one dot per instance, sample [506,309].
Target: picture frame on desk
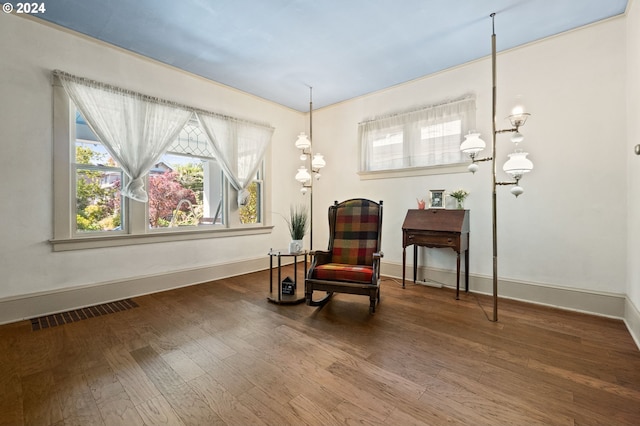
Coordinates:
[436,199]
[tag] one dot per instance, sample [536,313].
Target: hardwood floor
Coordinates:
[220,354]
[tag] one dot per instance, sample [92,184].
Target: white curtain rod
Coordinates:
[419,109]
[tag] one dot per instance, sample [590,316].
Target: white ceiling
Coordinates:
[276,49]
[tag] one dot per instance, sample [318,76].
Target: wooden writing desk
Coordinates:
[438,228]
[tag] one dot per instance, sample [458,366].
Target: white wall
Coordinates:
[29,51]
[568,230]
[632,315]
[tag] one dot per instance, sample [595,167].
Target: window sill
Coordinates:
[415,171]
[84,243]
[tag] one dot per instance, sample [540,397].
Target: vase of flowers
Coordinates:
[459,195]
[298,224]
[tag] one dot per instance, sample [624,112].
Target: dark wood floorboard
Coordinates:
[221,354]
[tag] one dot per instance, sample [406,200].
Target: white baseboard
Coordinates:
[597,303]
[632,320]
[44,303]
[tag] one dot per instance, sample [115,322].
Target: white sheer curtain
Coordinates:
[239,146]
[427,136]
[135,129]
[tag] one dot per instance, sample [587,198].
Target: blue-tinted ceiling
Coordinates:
[276,49]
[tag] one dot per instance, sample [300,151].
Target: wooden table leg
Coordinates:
[404,264]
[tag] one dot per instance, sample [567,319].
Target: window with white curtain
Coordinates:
[185,188]
[189,194]
[426,137]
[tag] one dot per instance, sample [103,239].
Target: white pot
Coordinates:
[295,246]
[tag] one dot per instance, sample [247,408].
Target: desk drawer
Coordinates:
[434,240]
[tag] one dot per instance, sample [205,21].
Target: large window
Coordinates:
[186,188]
[189,195]
[426,137]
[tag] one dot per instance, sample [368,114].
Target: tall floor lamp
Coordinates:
[315,162]
[517,165]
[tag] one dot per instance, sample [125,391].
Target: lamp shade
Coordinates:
[303,141]
[518,115]
[303,175]
[318,162]
[472,144]
[518,164]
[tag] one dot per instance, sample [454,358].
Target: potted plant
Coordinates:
[460,195]
[298,224]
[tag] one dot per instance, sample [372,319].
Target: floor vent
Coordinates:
[81,314]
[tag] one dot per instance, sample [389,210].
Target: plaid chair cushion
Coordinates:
[356,233]
[342,272]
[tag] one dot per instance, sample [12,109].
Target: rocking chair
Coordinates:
[352,262]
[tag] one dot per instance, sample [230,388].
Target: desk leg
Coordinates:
[466,270]
[415,263]
[458,277]
[404,264]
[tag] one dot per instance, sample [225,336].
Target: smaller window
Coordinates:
[426,137]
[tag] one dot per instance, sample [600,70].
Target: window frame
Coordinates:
[137,229]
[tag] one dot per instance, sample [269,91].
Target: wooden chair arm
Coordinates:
[321,257]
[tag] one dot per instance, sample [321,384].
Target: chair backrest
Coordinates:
[355,231]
